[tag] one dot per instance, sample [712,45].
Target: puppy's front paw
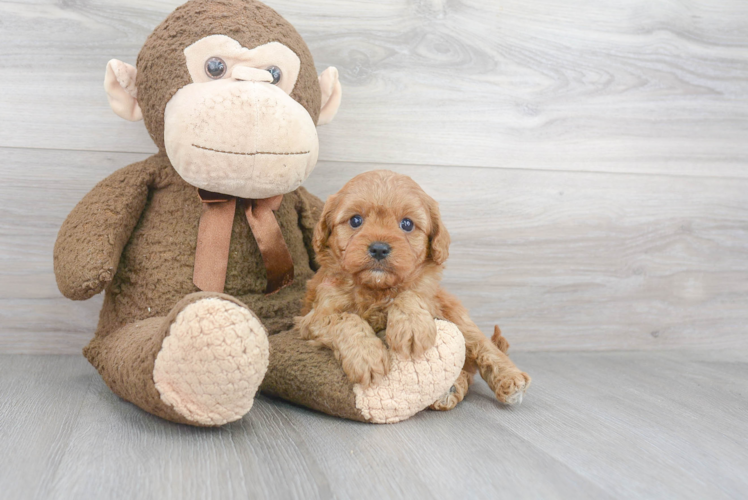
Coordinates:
[410,333]
[510,386]
[366,363]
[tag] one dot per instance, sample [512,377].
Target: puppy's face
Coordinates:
[381,228]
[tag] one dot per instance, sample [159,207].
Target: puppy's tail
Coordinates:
[499,340]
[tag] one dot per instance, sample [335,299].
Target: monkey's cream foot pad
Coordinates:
[212,362]
[414,384]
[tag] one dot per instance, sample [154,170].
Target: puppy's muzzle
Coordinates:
[379,250]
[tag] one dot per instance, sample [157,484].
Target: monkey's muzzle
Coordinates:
[243,138]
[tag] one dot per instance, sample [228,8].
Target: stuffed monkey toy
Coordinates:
[203,249]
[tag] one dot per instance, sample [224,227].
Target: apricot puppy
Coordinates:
[381,246]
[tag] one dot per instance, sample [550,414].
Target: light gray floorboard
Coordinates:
[618,86]
[561,260]
[640,426]
[593,425]
[40,403]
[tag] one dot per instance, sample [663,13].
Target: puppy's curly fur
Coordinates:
[381,246]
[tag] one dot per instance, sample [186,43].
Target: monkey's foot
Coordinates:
[212,361]
[412,384]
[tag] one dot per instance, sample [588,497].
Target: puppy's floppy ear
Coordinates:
[439,237]
[324,227]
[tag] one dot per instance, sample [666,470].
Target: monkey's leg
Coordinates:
[200,365]
[309,375]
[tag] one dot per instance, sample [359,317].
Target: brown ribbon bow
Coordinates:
[214,238]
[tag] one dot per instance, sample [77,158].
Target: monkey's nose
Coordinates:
[247,74]
[379,250]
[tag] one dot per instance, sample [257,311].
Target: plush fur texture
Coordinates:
[134,235]
[412,384]
[355,295]
[209,334]
[161,64]
[139,231]
[188,356]
[307,374]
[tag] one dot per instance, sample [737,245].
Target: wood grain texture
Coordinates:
[611,210]
[635,86]
[565,260]
[40,402]
[594,425]
[561,260]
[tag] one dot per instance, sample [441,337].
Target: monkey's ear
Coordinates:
[119,83]
[331,94]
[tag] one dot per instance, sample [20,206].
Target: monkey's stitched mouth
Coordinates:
[250,154]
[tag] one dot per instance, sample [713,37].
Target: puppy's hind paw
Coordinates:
[456,393]
[511,388]
[447,402]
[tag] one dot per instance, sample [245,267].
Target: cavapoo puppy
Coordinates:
[381,246]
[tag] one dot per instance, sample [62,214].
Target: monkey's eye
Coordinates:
[407,225]
[215,67]
[356,221]
[276,73]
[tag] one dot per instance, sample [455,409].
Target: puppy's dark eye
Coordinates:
[215,67]
[356,221]
[276,74]
[407,225]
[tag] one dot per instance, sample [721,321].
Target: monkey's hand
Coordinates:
[91,239]
[411,329]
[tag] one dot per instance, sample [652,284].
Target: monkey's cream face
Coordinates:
[235,129]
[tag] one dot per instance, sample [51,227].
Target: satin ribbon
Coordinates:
[214,239]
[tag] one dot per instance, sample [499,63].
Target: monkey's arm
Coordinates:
[309,208]
[91,239]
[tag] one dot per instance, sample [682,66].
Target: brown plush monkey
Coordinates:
[204,248]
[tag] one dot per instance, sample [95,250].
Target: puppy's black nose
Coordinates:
[379,250]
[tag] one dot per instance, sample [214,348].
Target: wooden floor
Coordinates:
[594,425]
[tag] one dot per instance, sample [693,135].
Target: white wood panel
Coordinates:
[561,260]
[593,425]
[634,86]
[575,260]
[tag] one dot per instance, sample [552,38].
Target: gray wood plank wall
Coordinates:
[590,157]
